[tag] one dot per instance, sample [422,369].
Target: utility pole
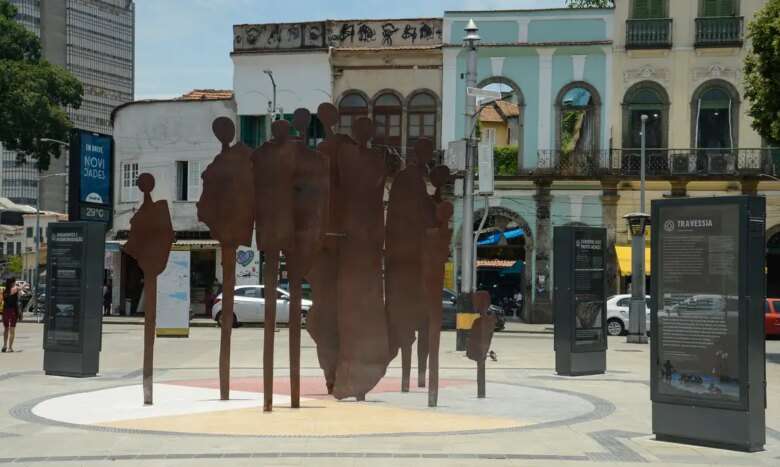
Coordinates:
[465,307]
[638,222]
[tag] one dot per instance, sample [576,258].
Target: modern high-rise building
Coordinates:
[94,40]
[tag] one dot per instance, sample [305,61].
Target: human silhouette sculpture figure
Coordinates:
[480,336]
[226,206]
[149,242]
[274,176]
[310,211]
[410,213]
[362,321]
[436,251]
[322,320]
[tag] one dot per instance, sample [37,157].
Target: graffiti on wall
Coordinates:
[323,34]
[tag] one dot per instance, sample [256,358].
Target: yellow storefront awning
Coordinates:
[624,259]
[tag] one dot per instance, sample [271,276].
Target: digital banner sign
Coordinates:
[91,177]
[698,311]
[95,157]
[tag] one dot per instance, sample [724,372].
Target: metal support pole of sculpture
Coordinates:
[149,242]
[480,337]
[226,206]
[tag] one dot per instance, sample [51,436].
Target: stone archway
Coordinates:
[513,220]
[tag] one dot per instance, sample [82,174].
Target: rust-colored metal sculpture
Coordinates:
[149,242]
[436,251]
[411,211]
[310,209]
[322,321]
[274,174]
[226,206]
[362,322]
[480,336]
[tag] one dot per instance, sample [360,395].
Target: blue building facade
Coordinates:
[557,64]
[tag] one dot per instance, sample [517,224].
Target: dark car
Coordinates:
[449,300]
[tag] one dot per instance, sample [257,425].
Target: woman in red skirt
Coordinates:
[10,313]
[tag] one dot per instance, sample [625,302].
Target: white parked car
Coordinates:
[249,305]
[618,307]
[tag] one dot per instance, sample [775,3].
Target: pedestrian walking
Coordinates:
[10,313]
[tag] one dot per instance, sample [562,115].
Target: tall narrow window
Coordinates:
[645,99]
[578,120]
[387,118]
[714,128]
[422,118]
[351,107]
[182,180]
[129,174]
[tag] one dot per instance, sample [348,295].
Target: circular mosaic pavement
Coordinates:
[193,407]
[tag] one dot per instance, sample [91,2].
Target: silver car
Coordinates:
[249,305]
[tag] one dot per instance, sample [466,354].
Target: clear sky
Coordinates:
[185,44]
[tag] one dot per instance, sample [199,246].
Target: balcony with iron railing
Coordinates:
[649,33]
[719,31]
[660,164]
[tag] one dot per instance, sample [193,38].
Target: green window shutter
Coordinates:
[718,8]
[641,9]
[646,9]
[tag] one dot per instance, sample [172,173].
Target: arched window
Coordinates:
[646,98]
[387,117]
[422,118]
[578,119]
[715,110]
[351,107]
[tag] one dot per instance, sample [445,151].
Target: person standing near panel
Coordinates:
[362,321]
[226,206]
[411,211]
[149,242]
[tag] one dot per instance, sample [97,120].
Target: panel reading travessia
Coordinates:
[698,316]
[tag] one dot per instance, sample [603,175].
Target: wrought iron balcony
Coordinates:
[649,33]
[720,31]
[660,164]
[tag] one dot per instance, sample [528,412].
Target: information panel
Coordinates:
[589,290]
[698,312]
[65,257]
[173,296]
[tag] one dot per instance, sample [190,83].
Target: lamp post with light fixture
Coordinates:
[637,224]
[465,307]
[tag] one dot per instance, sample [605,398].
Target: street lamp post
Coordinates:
[270,74]
[467,250]
[637,223]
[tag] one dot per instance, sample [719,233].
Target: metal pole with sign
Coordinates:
[580,300]
[708,378]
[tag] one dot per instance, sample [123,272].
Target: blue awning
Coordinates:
[494,238]
[516,268]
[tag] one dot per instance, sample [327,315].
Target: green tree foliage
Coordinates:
[590,3]
[505,160]
[762,72]
[15,265]
[33,93]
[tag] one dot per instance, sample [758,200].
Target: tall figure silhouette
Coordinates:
[274,177]
[410,212]
[149,242]
[362,321]
[226,206]
[322,321]
[310,210]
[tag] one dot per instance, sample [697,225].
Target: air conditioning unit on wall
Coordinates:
[683,163]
